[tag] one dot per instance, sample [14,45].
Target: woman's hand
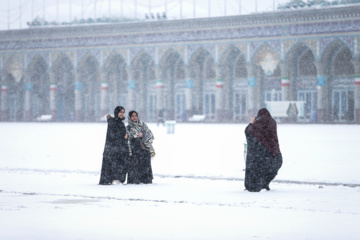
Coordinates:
[126,136]
[253,120]
[140,134]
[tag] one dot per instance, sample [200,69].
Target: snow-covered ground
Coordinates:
[49,174]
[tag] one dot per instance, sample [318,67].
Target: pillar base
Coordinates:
[78,116]
[54,115]
[188,114]
[223,115]
[4,116]
[19,116]
[91,116]
[357,116]
[170,114]
[323,116]
[28,117]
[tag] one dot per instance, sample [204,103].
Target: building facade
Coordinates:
[225,68]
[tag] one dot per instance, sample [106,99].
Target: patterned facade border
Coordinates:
[142,39]
[265,34]
[325,43]
[31,57]
[134,52]
[184,36]
[325,27]
[196,48]
[81,54]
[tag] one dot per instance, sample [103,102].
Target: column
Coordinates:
[4,102]
[131,91]
[78,99]
[53,88]
[189,86]
[322,113]
[159,92]
[28,95]
[104,94]
[219,96]
[251,72]
[285,83]
[357,91]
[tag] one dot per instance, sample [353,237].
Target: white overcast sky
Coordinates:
[14,14]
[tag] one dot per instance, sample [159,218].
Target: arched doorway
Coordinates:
[235,84]
[90,94]
[65,93]
[341,91]
[15,90]
[116,75]
[203,73]
[144,75]
[269,75]
[303,79]
[38,86]
[173,73]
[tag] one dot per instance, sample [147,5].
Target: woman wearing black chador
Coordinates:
[116,150]
[141,139]
[264,158]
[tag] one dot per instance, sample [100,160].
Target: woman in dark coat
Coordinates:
[264,158]
[116,150]
[141,138]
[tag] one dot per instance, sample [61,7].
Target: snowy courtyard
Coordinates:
[49,174]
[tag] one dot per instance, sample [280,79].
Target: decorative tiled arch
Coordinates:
[81,54]
[163,57]
[291,44]
[311,43]
[15,55]
[134,53]
[226,49]
[326,43]
[194,49]
[34,58]
[241,47]
[109,53]
[349,42]
[357,47]
[275,45]
[54,56]
[32,55]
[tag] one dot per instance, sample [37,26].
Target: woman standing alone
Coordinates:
[264,158]
[141,139]
[116,150]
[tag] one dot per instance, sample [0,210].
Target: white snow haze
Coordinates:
[49,174]
[16,14]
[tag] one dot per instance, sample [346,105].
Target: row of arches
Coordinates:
[219,88]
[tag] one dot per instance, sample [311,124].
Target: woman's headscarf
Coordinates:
[264,129]
[116,112]
[139,126]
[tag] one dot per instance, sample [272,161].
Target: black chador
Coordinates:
[264,158]
[116,150]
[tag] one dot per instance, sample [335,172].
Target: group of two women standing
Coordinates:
[128,150]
